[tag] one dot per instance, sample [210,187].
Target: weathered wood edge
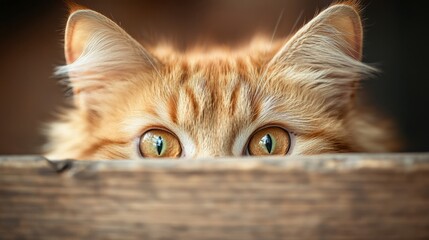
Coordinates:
[341,196]
[319,163]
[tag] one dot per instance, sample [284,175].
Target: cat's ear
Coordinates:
[325,54]
[100,55]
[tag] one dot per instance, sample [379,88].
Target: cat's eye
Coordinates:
[269,141]
[159,143]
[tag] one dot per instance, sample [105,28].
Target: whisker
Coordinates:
[275,30]
[296,22]
[276,26]
[272,39]
[151,63]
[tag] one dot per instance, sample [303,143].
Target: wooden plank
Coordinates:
[356,196]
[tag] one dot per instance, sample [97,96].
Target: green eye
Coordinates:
[158,143]
[269,141]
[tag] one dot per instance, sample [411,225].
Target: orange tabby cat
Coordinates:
[287,97]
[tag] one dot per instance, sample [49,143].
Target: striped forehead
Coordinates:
[209,95]
[214,110]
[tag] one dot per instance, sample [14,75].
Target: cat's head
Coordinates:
[287,97]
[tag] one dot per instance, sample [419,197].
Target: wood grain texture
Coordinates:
[317,197]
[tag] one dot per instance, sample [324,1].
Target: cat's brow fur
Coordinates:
[214,99]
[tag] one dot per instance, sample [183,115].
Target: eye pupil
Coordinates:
[159,144]
[267,141]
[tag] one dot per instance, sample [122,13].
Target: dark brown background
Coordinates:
[31,36]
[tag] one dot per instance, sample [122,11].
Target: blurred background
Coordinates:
[31,35]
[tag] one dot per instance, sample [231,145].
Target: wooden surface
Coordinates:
[319,197]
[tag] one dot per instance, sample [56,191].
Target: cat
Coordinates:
[281,97]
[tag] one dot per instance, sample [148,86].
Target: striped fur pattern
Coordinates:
[214,99]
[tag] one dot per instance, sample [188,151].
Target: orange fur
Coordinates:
[213,100]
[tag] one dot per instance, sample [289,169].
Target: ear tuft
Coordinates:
[86,27]
[100,55]
[346,20]
[73,7]
[324,55]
